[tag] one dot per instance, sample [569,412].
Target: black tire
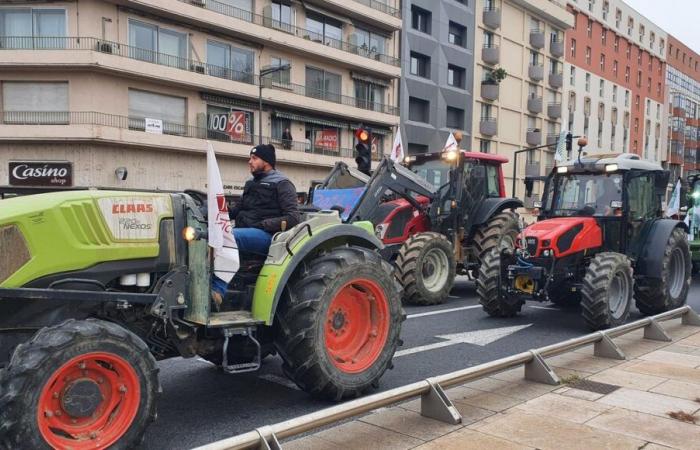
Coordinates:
[492,233]
[488,288]
[35,362]
[414,262]
[654,295]
[606,294]
[303,315]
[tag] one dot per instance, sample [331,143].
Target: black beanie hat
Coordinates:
[266,152]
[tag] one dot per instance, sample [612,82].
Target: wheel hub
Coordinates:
[338,320]
[428,269]
[82,398]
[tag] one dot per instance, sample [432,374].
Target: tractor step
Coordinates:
[232,319]
[241,367]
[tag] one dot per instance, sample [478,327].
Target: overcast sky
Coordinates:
[677,17]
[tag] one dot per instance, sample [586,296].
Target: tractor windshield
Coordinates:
[585,194]
[436,171]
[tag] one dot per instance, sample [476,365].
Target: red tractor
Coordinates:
[600,240]
[437,217]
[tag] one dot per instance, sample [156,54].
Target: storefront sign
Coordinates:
[38,173]
[237,124]
[326,139]
[154,126]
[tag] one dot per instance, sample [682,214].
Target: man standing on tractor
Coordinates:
[268,205]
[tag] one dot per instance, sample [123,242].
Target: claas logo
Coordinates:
[126,208]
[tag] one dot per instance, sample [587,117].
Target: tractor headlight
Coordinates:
[192,234]
[380,230]
[546,253]
[450,156]
[409,159]
[611,167]
[562,169]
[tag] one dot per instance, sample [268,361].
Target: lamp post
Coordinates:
[264,72]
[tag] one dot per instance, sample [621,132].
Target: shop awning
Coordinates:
[310,119]
[376,130]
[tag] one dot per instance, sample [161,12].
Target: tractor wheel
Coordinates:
[656,295]
[488,288]
[82,384]
[606,294]
[426,268]
[339,325]
[500,231]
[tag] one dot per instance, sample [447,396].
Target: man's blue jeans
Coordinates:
[249,241]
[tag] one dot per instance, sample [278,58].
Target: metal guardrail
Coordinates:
[435,403]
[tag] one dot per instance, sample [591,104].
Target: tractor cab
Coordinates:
[693,219]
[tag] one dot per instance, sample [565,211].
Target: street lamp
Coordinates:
[264,72]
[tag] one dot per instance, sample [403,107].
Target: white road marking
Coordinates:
[543,307]
[478,337]
[441,311]
[280,380]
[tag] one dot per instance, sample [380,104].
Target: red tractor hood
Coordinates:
[564,235]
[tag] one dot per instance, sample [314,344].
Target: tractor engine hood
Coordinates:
[563,236]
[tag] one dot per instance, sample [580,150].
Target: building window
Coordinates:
[420,65]
[627,99]
[588,82]
[38,102]
[369,95]
[157,45]
[370,42]
[171,110]
[614,93]
[455,118]
[602,63]
[630,26]
[591,4]
[488,39]
[601,88]
[615,69]
[658,89]
[627,74]
[588,56]
[629,51]
[636,102]
[418,110]
[455,76]
[639,56]
[323,85]
[227,124]
[281,16]
[573,48]
[618,17]
[457,35]
[616,43]
[572,76]
[604,37]
[283,76]
[484,146]
[322,138]
[32,28]
[662,47]
[279,125]
[589,28]
[420,19]
[234,63]
[648,107]
[324,29]
[639,78]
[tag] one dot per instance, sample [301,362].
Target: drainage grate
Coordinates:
[594,386]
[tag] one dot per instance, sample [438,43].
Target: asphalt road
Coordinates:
[200,404]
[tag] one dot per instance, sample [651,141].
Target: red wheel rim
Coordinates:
[357,325]
[89,402]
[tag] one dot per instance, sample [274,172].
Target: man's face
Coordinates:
[256,164]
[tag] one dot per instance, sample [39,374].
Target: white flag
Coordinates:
[560,154]
[226,259]
[397,153]
[451,143]
[674,205]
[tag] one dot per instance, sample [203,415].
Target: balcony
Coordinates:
[552,138]
[489,91]
[381,7]
[532,169]
[556,48]
[492,17]
[554,110]
[556,80]
[488,126]
[533,137]
[534,104]
[536,72]
[491,54]
[537,38]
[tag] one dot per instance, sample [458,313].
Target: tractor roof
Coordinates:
[624,161]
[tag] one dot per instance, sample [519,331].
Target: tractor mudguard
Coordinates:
[492,206]
[291,248]
[650,247]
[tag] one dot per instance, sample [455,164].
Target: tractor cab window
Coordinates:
[436,171]
[493,188]
[642,197]
[591,195]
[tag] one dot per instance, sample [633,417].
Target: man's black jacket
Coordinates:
[268,199]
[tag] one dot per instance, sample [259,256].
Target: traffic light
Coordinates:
[364,150]
[569,141]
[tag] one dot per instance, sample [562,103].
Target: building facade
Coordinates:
[437,73]
[526,39]
[138,87]
[615,68]
[683,108]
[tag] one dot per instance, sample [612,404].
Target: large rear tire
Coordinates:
[339,325]
[656,295]
[488,288]
[426,268]
[606,294]
[81,384]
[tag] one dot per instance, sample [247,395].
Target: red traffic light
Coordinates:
[362,135]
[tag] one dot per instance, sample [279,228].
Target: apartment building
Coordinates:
[683,108]
[436,80]
[526,39]
[125,93]
[615,68]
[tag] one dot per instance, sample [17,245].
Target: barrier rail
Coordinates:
[435,403]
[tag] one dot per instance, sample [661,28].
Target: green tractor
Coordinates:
[693,219]
[96,286]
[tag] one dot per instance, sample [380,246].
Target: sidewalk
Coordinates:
[628,406]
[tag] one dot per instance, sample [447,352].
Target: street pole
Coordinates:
[261,77]
[515,161]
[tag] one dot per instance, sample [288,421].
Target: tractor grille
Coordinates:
[14,252]
[531,243]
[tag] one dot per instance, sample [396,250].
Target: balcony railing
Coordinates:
[269,22]
[170,128]
[381,6]
[163,59]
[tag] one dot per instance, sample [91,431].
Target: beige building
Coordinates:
[526,39]
[140,85]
